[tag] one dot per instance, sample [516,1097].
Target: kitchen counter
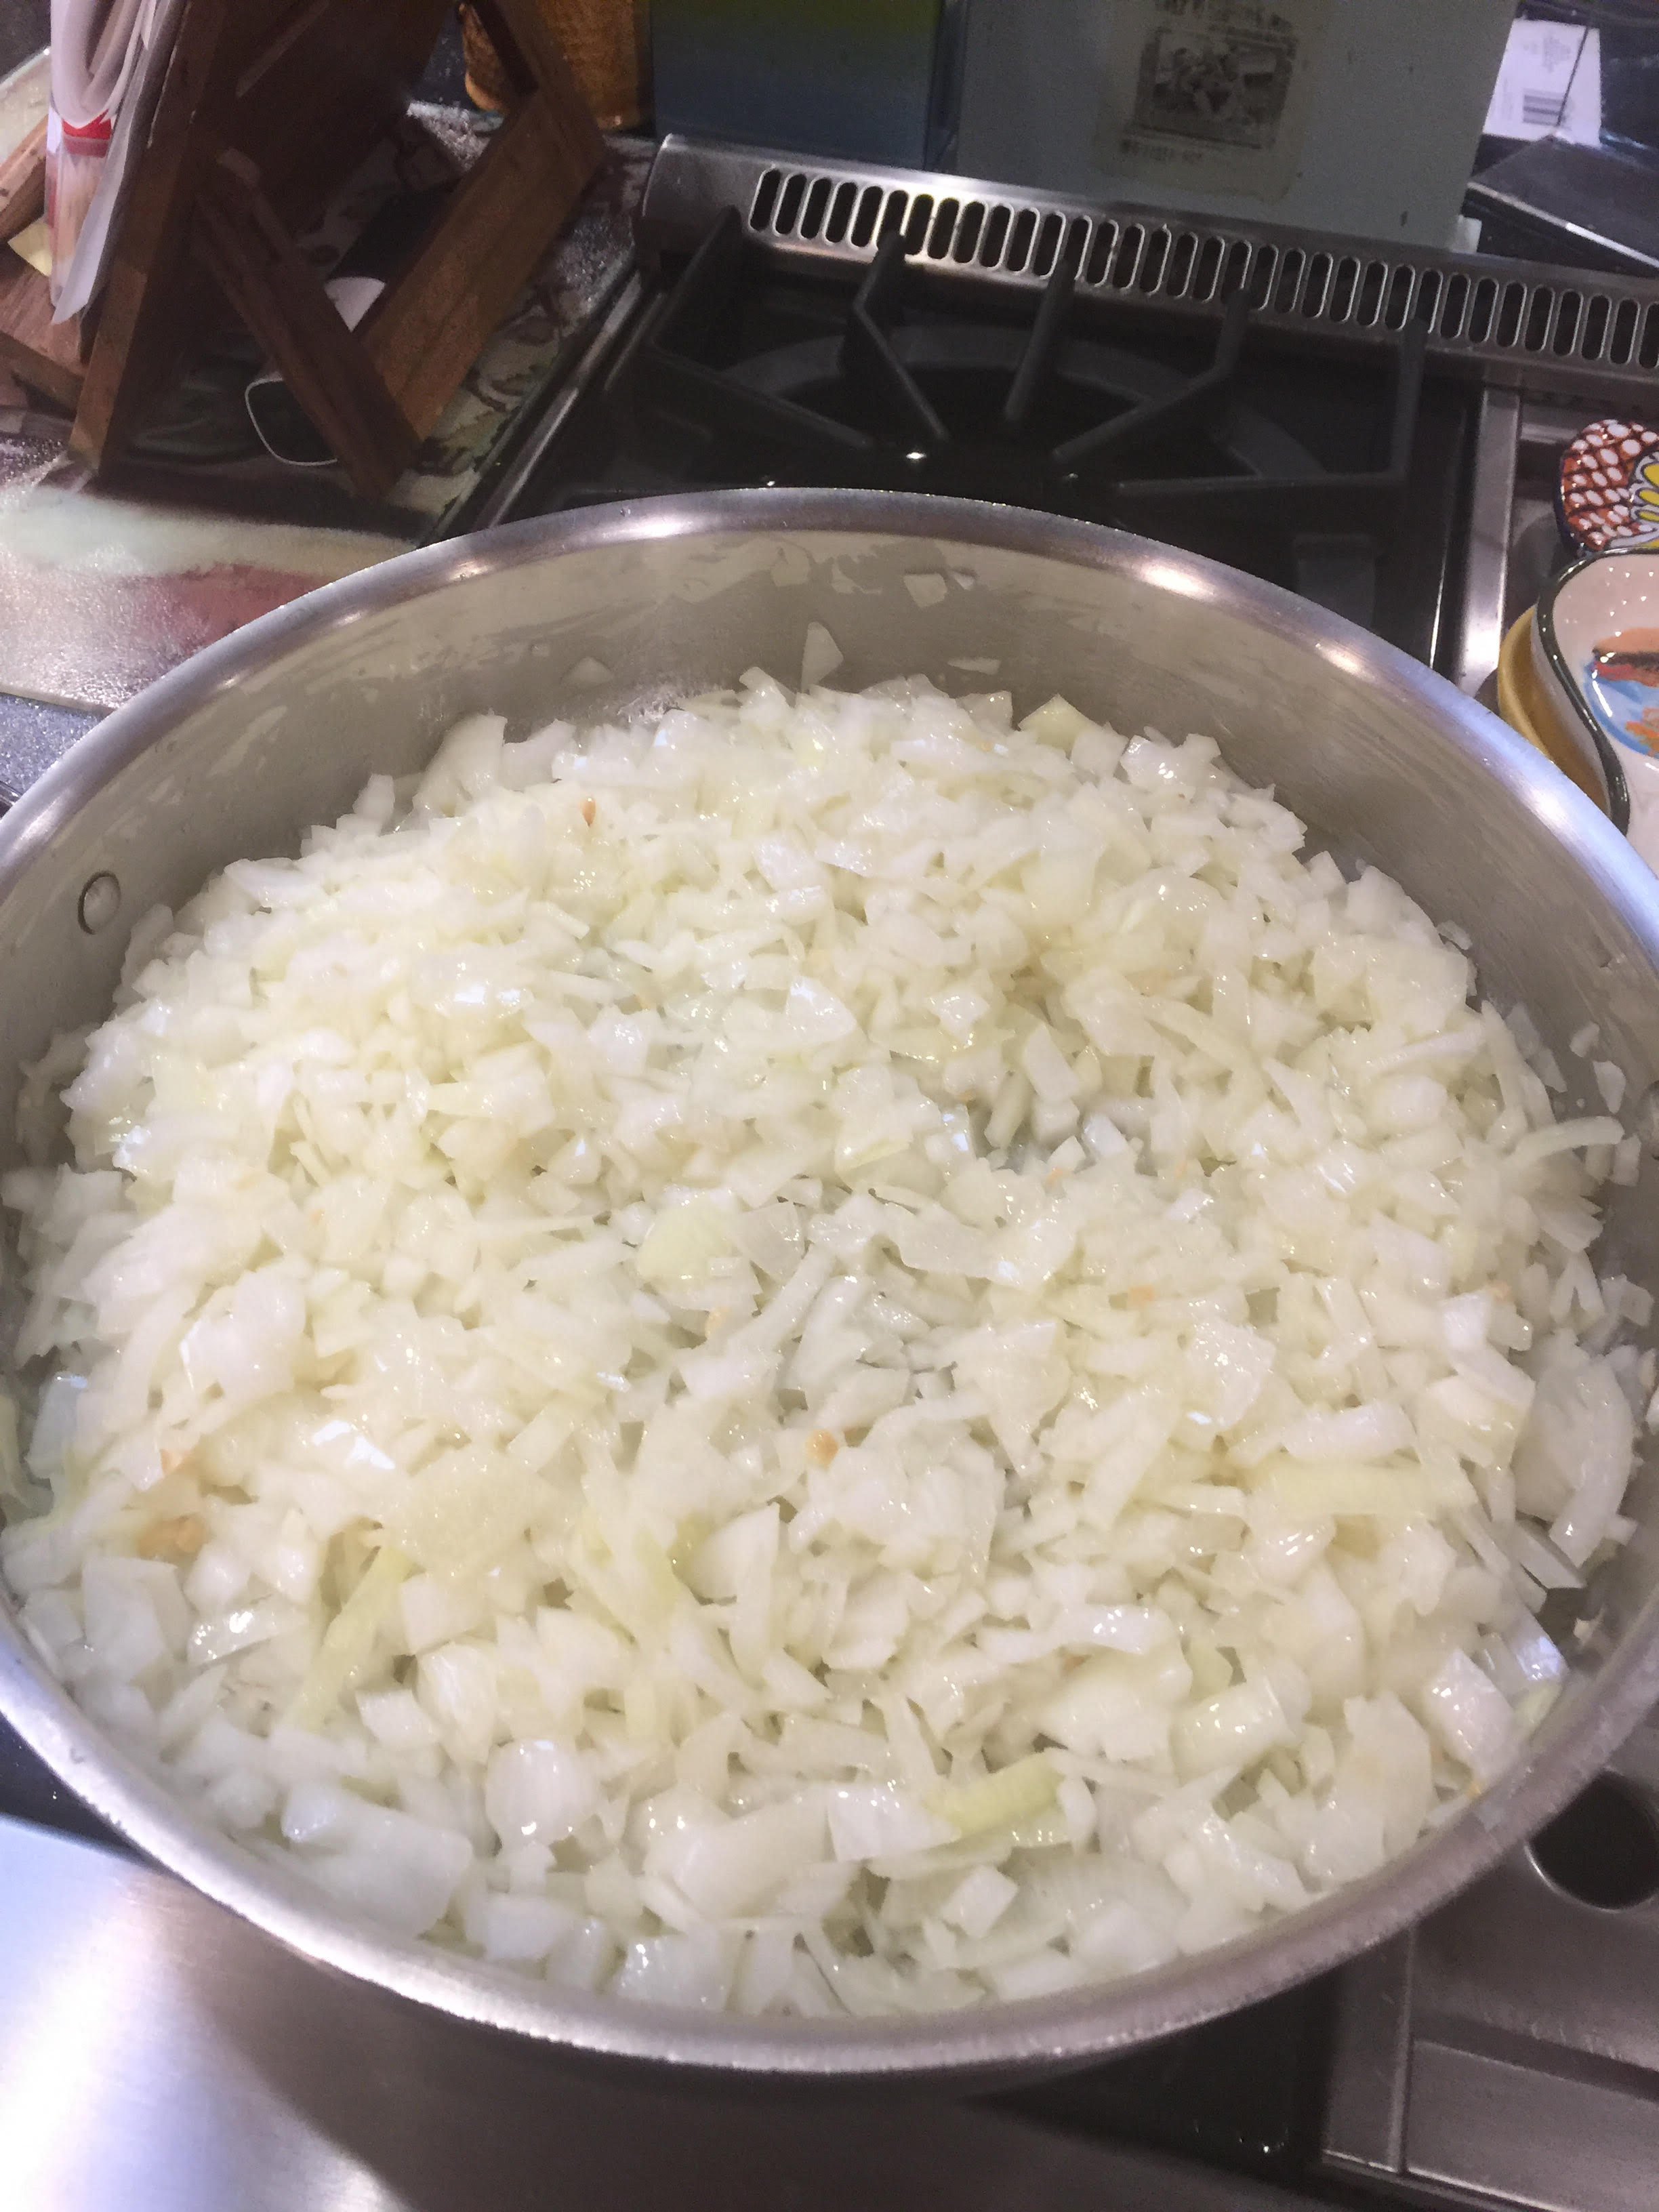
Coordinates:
[102,591]
[32,736]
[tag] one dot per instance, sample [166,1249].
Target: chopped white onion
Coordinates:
[822,1355]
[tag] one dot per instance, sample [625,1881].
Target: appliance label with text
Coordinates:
[1210,94]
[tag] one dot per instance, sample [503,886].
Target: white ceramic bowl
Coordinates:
[1595,654]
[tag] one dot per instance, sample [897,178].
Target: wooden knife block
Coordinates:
[49,354]
[267,108]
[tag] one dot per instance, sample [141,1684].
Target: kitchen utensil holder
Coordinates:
[267,109]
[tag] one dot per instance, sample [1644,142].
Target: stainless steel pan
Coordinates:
[624,608]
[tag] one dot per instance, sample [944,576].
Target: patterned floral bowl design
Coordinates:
[1607,493]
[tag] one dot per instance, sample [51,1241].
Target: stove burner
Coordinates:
[902,389]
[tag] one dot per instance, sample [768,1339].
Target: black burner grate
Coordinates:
[1223,441]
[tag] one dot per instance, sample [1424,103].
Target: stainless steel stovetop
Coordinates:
[158,2055]
[153,2052]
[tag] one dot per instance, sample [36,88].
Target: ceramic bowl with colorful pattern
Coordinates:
[1562,738]
[1595,654]
[1607,492]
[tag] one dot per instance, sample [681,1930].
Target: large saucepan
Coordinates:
[626,607]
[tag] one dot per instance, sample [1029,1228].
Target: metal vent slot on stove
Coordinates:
[841,211]
[1019,240]
[1154,264]
[789,204]
[1368,306]
[997,220]
[815,207]
[763,206]
[941,234]
[1210,261]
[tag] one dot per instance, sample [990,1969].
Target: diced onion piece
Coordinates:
[1001,1800]
[349,1640]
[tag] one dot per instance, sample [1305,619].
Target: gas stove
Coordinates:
[1335,418]
[1379,432]
[1336,478]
